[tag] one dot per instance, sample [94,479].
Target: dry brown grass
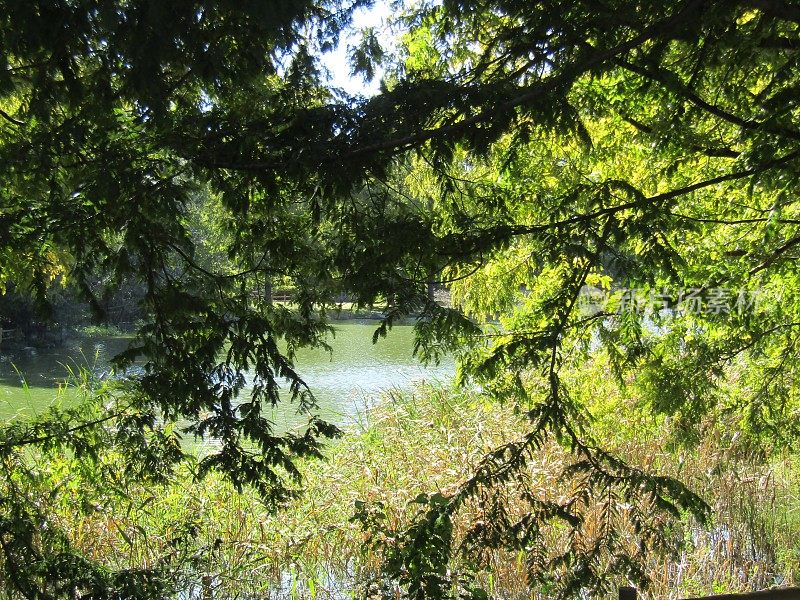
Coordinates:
[431,442]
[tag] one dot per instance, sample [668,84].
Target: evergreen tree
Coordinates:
[517,152]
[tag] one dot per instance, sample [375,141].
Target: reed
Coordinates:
[224,544]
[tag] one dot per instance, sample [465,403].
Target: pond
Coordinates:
[357,374]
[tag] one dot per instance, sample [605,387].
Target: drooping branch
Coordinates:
[713,152]
[509,231]
[672,82]
[532,94]
[11,119]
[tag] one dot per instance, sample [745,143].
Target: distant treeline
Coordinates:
[24,321]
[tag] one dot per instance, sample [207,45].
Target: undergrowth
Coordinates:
[225,544]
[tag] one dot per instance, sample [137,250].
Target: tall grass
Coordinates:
[224,544]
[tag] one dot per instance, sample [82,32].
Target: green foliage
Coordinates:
[365,56]
[518,153]
[85,454]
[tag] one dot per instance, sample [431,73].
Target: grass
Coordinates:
[228,544]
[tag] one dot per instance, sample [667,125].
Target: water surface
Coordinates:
[356,374]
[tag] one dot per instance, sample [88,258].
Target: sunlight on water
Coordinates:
[345,382]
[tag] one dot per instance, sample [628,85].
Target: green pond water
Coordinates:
[357,375]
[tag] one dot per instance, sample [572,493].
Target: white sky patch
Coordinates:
[337,61]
